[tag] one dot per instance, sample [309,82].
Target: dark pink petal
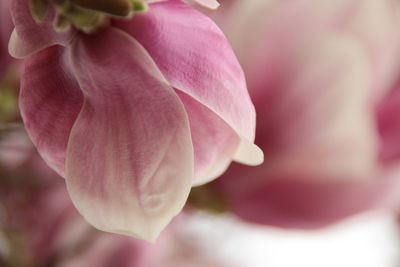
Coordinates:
[388,118]
[195,57]
[29,37]
[50,100]
[130,158]
[305,202]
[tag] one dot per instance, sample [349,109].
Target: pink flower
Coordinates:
[322,76]
[135,113]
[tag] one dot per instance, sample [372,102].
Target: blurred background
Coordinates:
[39,227]
[324,78]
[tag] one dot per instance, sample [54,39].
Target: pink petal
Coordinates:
[315,115]
[130,158]
[50,100]
[388,111]
[29,37]
[195,57]
[308,202]
[214,142]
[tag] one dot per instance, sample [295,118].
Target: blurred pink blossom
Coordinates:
[174,248]
[34,206]
[322,75]
[133,114]
[40,227]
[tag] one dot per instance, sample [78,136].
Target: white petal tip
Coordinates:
[209,4]
[249,154]
[214,5]
[13,45]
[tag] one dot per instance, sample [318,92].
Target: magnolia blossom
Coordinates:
[322,75]
[135,112]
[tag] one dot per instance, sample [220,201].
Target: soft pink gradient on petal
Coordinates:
[6,26]
[318,119]
[130,157]
[194,56]
[266,26]
[29,37]
[214,142]
[50,100]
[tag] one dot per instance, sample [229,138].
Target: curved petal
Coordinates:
[196,58]
[295,202]
[29,37]
[130,158]
[50,100]
[214,141]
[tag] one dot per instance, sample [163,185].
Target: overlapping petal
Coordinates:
[196,59]
[130,121]
[50,100]
[130,159]
[28,36]
[214,141]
